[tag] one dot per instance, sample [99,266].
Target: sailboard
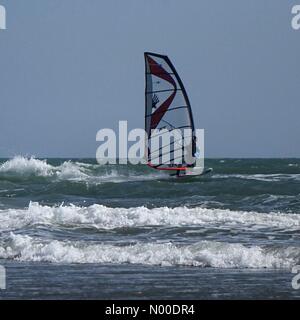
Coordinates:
[168,109]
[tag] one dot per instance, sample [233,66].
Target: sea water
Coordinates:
[70,228]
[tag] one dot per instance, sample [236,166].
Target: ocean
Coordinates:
[72,229]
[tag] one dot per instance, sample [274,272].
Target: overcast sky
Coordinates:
[71,67]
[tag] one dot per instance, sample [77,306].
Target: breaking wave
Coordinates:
[102,217]
[26,166]
[22,167]
[200,254]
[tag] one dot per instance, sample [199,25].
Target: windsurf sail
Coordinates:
[167,108]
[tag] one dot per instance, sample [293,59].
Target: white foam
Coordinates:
[200,254]
[102,217]
[23,166]
[26,166]
[70,171]
[260,177]
[293,164]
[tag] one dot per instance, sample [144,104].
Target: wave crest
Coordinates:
[200,254]
[21,168]
[102,217]
[26,166]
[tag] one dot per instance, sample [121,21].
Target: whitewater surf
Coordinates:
[79,216]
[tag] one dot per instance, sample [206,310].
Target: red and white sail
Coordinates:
[167,108]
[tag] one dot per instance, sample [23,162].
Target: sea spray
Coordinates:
[200,254]
[103,217]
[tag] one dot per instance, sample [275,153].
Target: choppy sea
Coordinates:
[70,228]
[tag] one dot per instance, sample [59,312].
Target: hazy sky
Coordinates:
[71,67]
